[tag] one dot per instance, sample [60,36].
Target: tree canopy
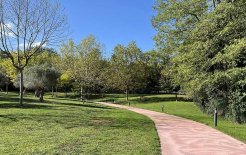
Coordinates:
[208,61]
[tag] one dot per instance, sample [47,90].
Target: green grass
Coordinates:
[66,126]
[185,109]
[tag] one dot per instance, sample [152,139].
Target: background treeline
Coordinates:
[205,43]
[81,68]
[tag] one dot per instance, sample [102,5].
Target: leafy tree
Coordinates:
[4,79]
[8,68]
[174,21]
[40,78]
[49,58]
[83,62]
[65,82]
[127,68]
[155,63]
[210,64]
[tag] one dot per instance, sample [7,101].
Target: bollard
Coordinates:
[215,117]
[162,108]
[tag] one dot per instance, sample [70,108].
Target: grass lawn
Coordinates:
[66,126]
[184,109]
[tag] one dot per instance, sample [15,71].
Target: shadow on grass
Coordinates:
[9,105]
[10,117]
[82,105]
[11,101]
[28,103]
[160,99]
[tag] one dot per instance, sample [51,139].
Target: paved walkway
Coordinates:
[179,136]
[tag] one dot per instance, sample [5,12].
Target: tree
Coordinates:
[8,73]
[127,68]
[40,78]
[210,64]
[4,79]
[26,26]
[216,75]
[83,62]
[50,58]
[174,21]
[155,63]
[65,82]
[8,68]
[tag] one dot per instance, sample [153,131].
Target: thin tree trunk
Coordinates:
[52,90]
[81,93]
[7,88]
[56,91]
[127,94]
[21,87]
[41,96]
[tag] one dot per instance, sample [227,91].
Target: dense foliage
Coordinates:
[208,57]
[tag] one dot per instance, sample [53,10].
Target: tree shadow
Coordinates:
[13,102]
[83,105]
[10,117]
[161,99]
[24,106]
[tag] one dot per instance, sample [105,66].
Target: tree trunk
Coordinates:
[21,87]
[36,94]
[81,93]
[41,96]
[56,91]
[52,91]
[127,94]
[7,88]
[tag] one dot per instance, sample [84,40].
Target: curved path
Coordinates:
[179,136]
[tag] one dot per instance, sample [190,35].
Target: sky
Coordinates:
[112,22]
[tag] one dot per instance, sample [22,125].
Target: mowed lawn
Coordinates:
[184,109]
[65,126]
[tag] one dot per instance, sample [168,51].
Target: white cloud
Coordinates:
[35,44]
[38,44]
[8,27]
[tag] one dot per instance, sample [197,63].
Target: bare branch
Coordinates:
[26,26]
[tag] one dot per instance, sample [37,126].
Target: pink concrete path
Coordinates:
[179,136]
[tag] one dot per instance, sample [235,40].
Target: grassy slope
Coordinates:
[62,126]
[187,110]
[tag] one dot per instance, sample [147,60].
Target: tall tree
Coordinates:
[84,62]
[127,68]
[155,63]
[25,27]
[210,64]
[174,21]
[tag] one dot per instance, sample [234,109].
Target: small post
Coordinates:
[215,117]
[162,108]
[129,103]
